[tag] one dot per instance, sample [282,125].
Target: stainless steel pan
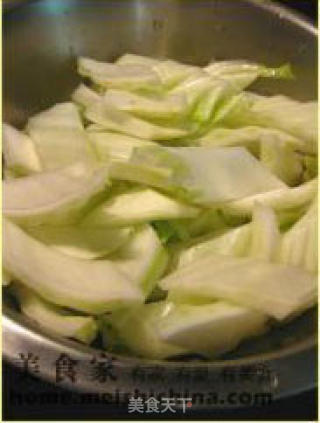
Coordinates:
[41,42]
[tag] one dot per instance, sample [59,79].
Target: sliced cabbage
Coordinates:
[242,73]
[234,242]
[210,329]
[194,88]
[280,112]
[311,167]
[281,160]
[135,329]
[220,82]
[229,106]
[65,115]
[160,157]
[113,119]
[251,137]
[299,245]
[207,175]
[95,127]
[202,175]
[137,206]
[164,329]
[91,286]
[55,197]
[224,174]
[159,177]
[59,136]
[85,96]
[172,230]
[217,211]
[143,259]
[217,93]
[136,59]
[19,152]
[170,72]
[258,239]
[55,319]
[166,231]
[208,221]
[281,200]
[136,169]
[81,242]
[265,234]
[112,146]
[111,75]
[286,218]
[274,289]
[155,107]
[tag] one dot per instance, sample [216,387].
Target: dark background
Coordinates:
[307,7]
[300,407]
